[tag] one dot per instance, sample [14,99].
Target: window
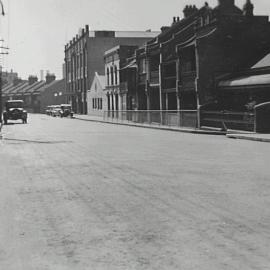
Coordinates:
[93,103]
[116,75]
[188,59]
[112,75]
[142,65]
[108,76]
[101,103]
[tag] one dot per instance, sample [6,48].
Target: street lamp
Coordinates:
[1,100]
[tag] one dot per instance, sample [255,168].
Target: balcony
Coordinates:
[123,87]
[154,77]
[188,81]
[142,78]
[169,82]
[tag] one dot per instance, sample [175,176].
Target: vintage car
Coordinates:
[48,110]
[14,111]
[56,111]
[66,110]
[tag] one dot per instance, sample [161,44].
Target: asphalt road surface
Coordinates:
[79,195]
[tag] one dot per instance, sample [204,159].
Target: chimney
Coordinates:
[248,9]
[50,78]
[32,79]
[42,75]
[189,10]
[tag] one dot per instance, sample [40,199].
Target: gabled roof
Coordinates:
[33,88]
[58,85]
[101,79]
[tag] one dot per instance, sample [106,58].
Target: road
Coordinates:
[79,195]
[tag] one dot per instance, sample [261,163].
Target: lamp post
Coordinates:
[1,100]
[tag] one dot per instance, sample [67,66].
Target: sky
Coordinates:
[36,31]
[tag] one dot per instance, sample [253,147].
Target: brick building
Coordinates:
[120,85]
[84,55]
[180,68]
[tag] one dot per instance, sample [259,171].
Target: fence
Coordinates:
[183,118]
[228,120]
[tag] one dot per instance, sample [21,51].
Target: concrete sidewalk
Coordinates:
[152,126]
[250,137]
[231,134]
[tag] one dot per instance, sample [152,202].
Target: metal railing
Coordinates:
[228,120]
[183,118]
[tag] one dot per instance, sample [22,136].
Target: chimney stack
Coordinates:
[32,79]
[50,78]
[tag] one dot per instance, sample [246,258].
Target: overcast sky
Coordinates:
[36,30]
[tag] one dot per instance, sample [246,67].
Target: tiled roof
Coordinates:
[56,84]
[34,88]
[22,88]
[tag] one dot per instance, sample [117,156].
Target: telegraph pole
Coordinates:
[1,99]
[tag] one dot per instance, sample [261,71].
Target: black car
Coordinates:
[14,111]
[66,110]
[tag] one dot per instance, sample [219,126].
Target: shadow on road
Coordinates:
[35,141]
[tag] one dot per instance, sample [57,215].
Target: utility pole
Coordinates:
[1,82]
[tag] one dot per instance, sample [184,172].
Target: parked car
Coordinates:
[56,111]
[49,109]
[14,111]
[66,110]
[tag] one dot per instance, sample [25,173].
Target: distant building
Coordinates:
[52,94]
[9,77]
[27,90]
[96,96]
[84,55]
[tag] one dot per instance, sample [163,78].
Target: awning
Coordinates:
[247,81]
[132,64]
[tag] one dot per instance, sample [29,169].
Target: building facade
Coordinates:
[120,84]
[178,69]
[96,96]
[84,55]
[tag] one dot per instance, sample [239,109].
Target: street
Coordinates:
[79,195]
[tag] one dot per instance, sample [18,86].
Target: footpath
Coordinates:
[100,119]
[230,134]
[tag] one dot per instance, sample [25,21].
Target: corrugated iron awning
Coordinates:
[246,81]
